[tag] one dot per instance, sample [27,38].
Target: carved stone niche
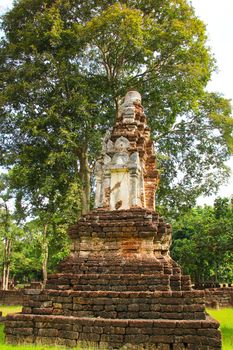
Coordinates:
[119,179]
[122,144]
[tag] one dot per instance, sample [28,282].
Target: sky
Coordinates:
[218,19]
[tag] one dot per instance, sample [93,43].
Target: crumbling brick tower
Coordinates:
[119,288]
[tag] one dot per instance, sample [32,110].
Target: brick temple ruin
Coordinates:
[119,288]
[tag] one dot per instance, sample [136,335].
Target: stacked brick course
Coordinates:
[219,297]
[119,288]
[11,297]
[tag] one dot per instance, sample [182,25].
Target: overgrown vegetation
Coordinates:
[203,242]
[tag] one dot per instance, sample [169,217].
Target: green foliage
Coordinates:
[203,242]
[27,241]
[65,66]
[10,231]
[28,253]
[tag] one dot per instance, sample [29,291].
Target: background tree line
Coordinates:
[203,242]
[65,66]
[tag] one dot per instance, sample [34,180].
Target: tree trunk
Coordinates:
[6,264]
[45,253]
[84,173]
[117,101]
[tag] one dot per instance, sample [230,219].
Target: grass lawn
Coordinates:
[10,309]
[224,316]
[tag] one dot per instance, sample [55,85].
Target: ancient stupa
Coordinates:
[119,288]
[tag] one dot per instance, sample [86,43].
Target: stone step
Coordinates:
[123,305]
[114,334]
[117,282]
[114,268]
[118,265]
[130,214]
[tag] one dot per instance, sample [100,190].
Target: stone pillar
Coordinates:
[99,192]
[134,187]
[106,189]
[99,184]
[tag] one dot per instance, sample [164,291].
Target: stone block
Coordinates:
[90,337]
[66,342]
[48,332]
[69,334]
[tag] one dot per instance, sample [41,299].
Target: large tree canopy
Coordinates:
[65,66]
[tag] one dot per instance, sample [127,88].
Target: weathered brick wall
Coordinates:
[128,232]
[117,305]
[11,297]
[219,297]
[114,334]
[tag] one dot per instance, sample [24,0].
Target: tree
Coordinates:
[9,231]
[34,247]
[66,65]
[43,245]
[202,242]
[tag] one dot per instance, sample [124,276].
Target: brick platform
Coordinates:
[94,298]
[11,297]
[119,288]
[219,297]
[113,334]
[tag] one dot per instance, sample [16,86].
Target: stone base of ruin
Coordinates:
[119,288]
[114,334]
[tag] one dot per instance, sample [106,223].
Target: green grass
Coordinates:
[225,317]
[10,309]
